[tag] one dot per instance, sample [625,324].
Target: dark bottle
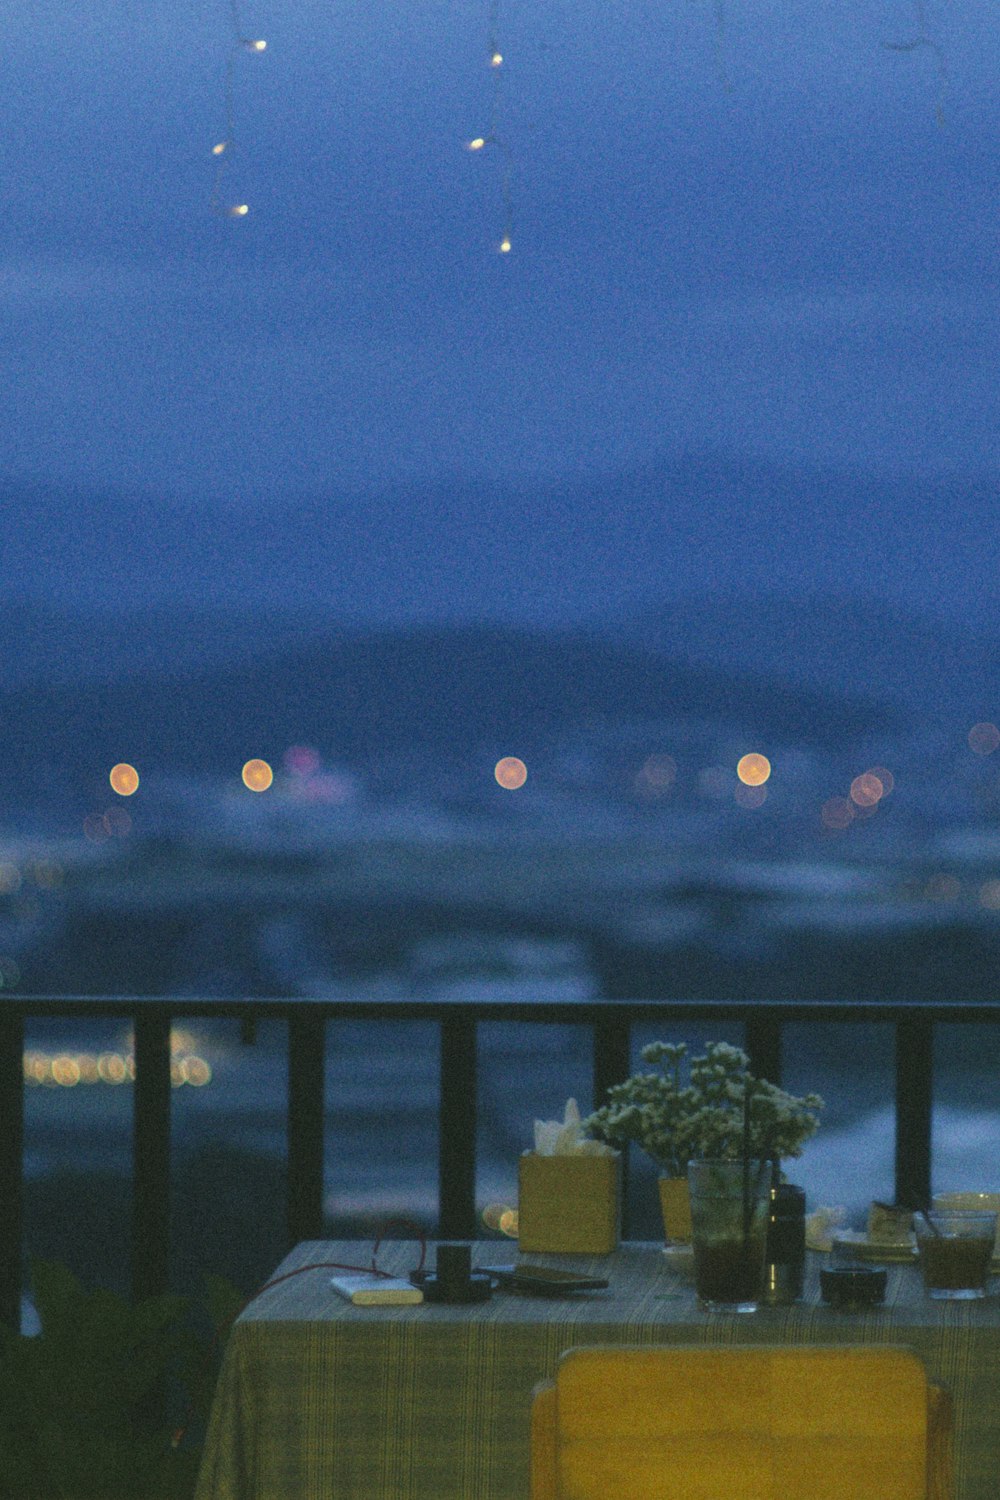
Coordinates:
[785,1256]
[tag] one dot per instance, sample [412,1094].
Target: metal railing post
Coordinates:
[457,1130]
[914,1096]
[763,1046]
[612,1063]
[612,1057]
[151,1156]
[306,1067]
[11,1168]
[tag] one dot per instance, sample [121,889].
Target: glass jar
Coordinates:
[729,1216]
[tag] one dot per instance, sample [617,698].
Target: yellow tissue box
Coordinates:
[569,1204]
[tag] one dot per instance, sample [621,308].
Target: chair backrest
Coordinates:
[740,1423]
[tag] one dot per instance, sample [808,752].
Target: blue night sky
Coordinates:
[737,230]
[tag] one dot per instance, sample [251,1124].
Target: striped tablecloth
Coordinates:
[321,1400]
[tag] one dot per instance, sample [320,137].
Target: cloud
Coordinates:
[33,285]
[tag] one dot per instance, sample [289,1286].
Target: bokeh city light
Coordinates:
[867,790]
[510,773]
[984,738]
[257,775]
[124,779]
[753,769]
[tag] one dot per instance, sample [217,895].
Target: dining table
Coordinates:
[320,1399]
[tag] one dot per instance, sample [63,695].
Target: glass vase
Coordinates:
[730,1202]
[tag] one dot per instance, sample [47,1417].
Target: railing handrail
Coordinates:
[610,1020]
[496,1008]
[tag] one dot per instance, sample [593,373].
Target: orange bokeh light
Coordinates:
[510,773]
[257,775]
[658,774]
[989,895]
[753,770]
[867,789]
[885,776]
[750,796]
[124,779]
[117,822]
[984,738]
[493,1213]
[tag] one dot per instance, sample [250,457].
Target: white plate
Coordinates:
[878,1251]
[679,1259]
[882,1254]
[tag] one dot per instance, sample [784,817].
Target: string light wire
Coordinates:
[373,1269]
[491,136]
[924,39]
[720,47]
[224,149]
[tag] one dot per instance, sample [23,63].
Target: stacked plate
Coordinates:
[854,1243]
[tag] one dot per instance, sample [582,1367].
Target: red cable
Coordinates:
[316,1265]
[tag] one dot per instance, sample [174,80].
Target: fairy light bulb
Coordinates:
[225,149]
[493,136]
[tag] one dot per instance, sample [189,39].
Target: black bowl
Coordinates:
[852,1286]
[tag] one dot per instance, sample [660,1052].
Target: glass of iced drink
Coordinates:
[955,1248]
[730,1205]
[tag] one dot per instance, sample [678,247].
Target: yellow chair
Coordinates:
[753,1422]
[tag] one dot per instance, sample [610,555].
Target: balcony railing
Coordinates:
[610,1022]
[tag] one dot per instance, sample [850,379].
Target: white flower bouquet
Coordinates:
[720,1114]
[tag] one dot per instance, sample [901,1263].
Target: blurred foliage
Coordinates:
[227,1212]
[88,1408]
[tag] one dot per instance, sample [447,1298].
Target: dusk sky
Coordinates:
[759,231]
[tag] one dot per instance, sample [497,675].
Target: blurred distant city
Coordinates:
[386,617]
[491,812]
[750,799]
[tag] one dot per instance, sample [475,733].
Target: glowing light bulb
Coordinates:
[254,44]
[218,149]
[238,210]
[494,139]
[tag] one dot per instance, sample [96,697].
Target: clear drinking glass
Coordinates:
[729,1217]
[955,1248]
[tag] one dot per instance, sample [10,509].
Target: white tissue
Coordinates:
[565,1137]
[820,1227]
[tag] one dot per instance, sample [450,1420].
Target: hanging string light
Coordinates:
[491,137]
[720,47]
[923,39]
[223,150]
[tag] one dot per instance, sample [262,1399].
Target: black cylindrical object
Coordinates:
[852,1287]
[454,1265]
[785,1256]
